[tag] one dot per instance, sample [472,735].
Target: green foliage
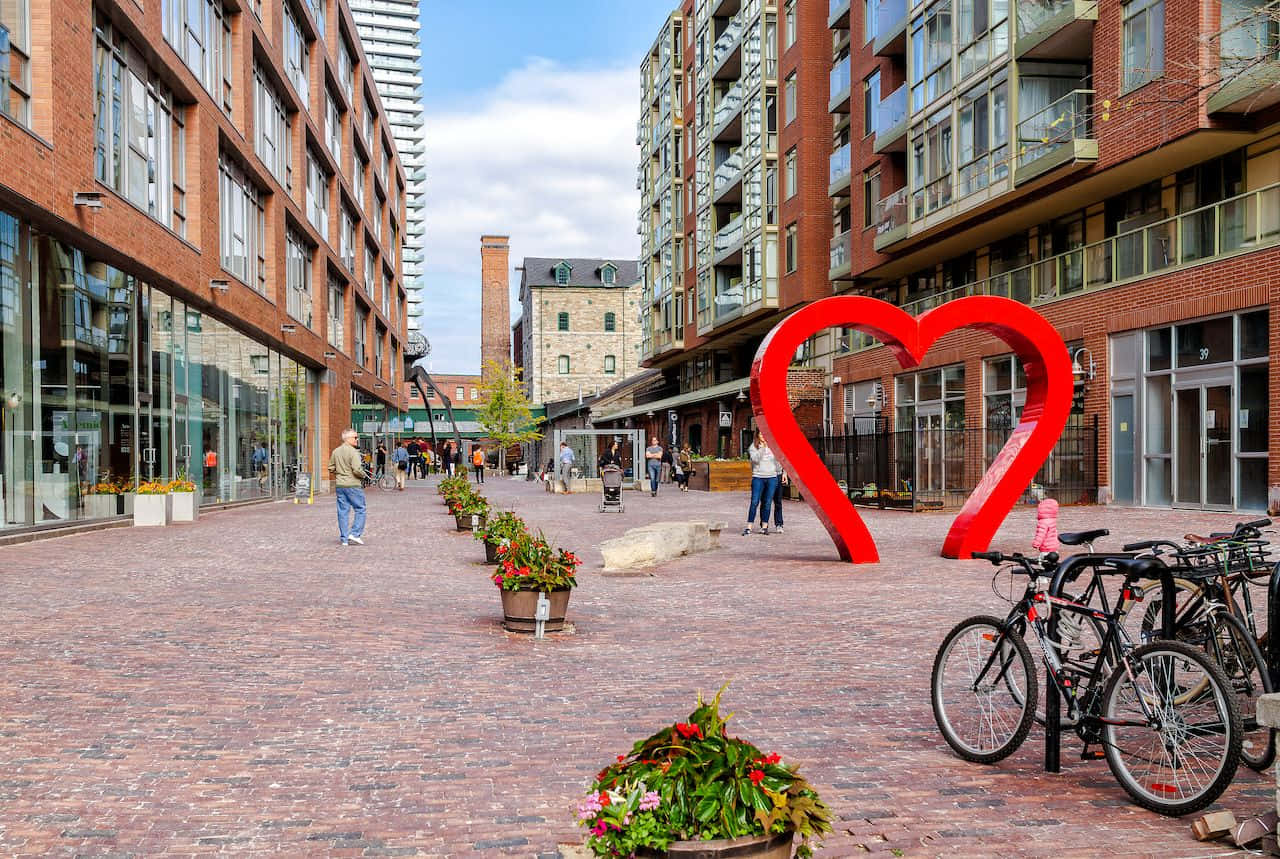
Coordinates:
[503,528]
[505,415]
[691,781]
[528,563]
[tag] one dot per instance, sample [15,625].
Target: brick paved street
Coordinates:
[245,684]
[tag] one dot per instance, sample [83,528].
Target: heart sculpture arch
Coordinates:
[1048,403]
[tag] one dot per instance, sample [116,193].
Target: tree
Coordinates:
[505,415]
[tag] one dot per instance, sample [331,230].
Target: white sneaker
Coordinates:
[778,530]
[765,530]
[356,540]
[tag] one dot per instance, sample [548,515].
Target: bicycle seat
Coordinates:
[1196,538]
[1076,538]
[1139,568]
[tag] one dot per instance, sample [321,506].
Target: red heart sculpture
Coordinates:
[1048,403]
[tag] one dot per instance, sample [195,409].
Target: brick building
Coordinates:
[495,300]
[200,221]
[735,220]
[1116,166]
[462,391]
[578,325]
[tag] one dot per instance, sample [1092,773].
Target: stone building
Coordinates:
[578,329]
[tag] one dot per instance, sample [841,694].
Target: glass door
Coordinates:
[929,468]
[1122,449]
[1204,439]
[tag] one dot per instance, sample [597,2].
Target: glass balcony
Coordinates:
[841,255]
[891,28]
[730,106]
[838,15]
[729,299]
[891,122]
[890,216]
[726,54]
[1061,133]
[728,173]
[1055,29]
[841,168]
[841,78]
[729,237]
[1249,54]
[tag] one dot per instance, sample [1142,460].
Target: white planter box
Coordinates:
[152,510]
[186,506]
[100,506]
[128,502]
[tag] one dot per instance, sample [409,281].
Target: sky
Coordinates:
[531,109]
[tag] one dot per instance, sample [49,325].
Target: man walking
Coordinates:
[477,462]
[415,452]
[347,467]
[400,459]
[566,464]
[653,463]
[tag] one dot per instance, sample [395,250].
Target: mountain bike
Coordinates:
[1162,714]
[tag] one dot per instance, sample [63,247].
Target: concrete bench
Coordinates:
[662,541]
[1269,715]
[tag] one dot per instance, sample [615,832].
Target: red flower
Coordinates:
[756,776]
[621,758]
[523,571]
[502,550]
[689,729]
[604,798]
[773,758]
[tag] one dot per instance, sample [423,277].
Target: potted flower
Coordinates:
[499,531]
[527,568]
[102,499]
[692,790]
[185,502]
[453,488]
[154,504]
[471,512]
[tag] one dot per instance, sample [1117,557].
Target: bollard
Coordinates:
[541,614]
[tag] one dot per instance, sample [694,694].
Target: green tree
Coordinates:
[505,414]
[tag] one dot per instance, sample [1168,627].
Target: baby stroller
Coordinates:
[611,483]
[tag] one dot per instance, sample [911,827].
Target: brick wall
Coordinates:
[495,299]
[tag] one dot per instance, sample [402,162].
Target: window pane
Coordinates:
[1254,338]
[1158,349]
[1208,342]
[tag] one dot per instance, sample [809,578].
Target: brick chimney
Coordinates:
[495,299]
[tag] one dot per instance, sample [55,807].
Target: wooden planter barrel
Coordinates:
[757,847]
[465,523]
[520,607]
[490,552]
[721,475]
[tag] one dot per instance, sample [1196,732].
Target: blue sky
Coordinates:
[530,131]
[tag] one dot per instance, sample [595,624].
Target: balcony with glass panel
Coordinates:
[1058,135]
[726,121]
[838,15]
[726,54]
[891,122]
[721,8]
[841,86]
[841,171]
[890,217]
[841,256]
[727,182]
[1249,60]
[891,28]
[727,245]
[1055,29]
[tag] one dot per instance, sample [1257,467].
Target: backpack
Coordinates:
[477,458]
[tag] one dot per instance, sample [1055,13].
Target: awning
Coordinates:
[715,392]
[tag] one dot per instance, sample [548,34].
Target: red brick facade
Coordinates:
[495,300]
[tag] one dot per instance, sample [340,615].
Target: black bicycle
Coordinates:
[1163,714]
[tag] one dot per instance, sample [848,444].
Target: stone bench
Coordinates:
[662,541]
[1269,715]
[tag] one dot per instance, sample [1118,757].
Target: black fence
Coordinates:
[936,469]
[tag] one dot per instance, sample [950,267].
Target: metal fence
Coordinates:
[936,469]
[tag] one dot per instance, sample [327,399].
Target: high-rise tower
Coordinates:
[495,299]
[389,31]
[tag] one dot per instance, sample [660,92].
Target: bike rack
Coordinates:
[1273,623]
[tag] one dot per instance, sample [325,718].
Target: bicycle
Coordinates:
[1161,713]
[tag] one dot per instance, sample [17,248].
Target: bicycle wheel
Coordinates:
[1185,755]
[1233,648]
[387,481]
[986,722]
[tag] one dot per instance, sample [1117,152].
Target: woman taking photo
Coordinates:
[764,483]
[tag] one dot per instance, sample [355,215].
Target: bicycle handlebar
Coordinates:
[1144,545]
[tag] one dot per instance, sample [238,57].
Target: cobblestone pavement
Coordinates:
[245,684]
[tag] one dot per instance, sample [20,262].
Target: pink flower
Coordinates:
[589,807]
[600,828]
[651,800]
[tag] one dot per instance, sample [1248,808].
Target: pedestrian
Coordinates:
[567,459]
[447,457]
[684,467]
[424,459]
[347,467]
[380,460]
[260,464]
[400,458]
[457,459]
[415,454]
[653,464]
[781,490]
[611,456]
[668,464]
[477,462]
[764,483]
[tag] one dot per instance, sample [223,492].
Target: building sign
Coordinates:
[726,419]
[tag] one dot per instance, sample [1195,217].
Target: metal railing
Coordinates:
[891,212]
[1063,121]
[892,111]
[1034,14]
[1247,44]
[841,165]
[841,249]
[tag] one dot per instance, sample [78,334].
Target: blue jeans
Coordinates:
[762,491]
[777,503]
[350,498]
[655,468]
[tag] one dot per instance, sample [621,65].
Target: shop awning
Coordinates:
[715,392]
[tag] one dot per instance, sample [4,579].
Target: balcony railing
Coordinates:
[841,77]
[730,235]
[1060,124]
[727,42]
[841,250]
[729,104]
[891,112]
[1241,224]
[891,17]
[891,212]
[1034,14]
[841,164]
[728,171]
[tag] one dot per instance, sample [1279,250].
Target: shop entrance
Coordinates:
[1204,426]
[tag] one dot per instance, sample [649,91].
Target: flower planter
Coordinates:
[469,521]
[490,552]
[721,475]
[520,607]
[101,506]
[760,847]
[151,510]
[185,507]
[124,505]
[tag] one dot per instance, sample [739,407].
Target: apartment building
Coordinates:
[393,48]
[735,220]
[578,326]
[1114,165]
[199,251]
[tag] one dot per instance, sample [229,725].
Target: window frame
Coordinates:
[562,320]
[789,87]
[563,367]
[1130,12]
[610,321]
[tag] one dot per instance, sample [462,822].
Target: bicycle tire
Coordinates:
[1246,671]
[1157,663]
[1021,690]
[387,481]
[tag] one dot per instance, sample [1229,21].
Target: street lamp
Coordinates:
[1081,371]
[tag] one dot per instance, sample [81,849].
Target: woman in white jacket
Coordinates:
[765,471]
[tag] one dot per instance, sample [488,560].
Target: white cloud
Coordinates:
[547,157]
